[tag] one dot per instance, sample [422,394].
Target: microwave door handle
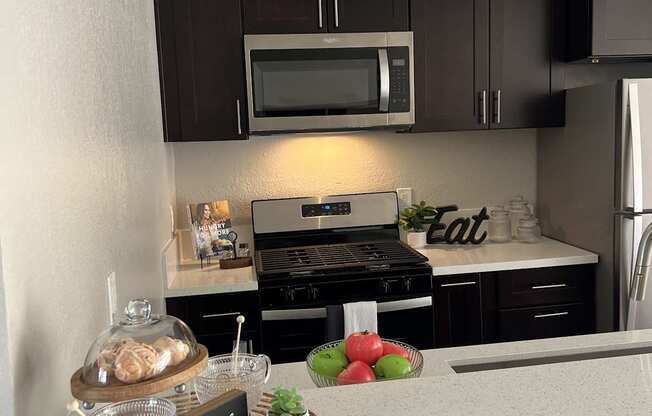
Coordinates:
[637,148]
[383,60]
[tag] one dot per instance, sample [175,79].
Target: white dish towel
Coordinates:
[360,316]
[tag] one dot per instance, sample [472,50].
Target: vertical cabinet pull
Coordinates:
[337,14]
[321,16]
[497,106]
[237,103]
[483,107]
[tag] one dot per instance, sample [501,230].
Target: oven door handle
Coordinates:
[290,314]
[404,305]
[383,60]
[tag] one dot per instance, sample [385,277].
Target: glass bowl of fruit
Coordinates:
[362,358]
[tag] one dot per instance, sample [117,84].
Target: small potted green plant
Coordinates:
[416,220]
[287,402]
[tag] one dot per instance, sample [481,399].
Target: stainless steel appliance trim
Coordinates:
[549,286]
[290,314]
[632,303]
[550,315]
[404,305]
[637,147]
[321,16]
[237,103]
[383,61]
[327,41]
[459,284]
[220,315]
[282,215]
[337,14]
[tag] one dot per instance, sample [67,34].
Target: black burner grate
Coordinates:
[313,258]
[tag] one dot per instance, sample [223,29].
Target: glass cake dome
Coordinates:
[140,347]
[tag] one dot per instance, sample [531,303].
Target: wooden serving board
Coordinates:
[117,391]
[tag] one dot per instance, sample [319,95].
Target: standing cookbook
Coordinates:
[211,224]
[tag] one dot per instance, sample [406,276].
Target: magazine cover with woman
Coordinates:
[211,224]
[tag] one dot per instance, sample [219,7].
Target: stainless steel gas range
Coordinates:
[316,252]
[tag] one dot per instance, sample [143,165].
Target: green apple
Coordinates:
[341,346]
[392,366]
[329,362]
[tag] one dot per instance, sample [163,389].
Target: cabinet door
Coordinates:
[521,64]
[543,322]
[451,40]
[458,311]
[622,27]
[201,67]
[284,16]
[368,15]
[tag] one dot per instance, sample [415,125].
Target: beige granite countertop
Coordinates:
[603,386]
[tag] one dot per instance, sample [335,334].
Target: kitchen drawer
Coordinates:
[543,322]
[553,285]
[215,314]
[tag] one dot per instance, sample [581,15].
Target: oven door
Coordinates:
[326,82]
[290,334]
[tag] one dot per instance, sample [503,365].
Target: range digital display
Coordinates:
[326,210]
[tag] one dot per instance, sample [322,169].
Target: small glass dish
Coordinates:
[414,356]
[139,407]
[251,374]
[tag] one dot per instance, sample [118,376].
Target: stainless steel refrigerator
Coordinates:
[595,189]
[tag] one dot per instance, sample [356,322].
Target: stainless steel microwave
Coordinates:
[330,81]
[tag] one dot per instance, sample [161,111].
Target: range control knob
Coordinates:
[314,293]
[288,294]
[407,284]
[384,287]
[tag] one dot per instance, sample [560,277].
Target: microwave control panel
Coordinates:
[399,79]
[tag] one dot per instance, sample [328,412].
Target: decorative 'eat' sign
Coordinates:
[456,232]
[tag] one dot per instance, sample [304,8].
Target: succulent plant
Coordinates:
[287,402]
[418,217]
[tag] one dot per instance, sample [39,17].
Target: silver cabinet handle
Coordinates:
[321,17]
[337,14]
[548,286]
[459,284]
[497,113]
[550,315]
[383,60]
[483,107]
[404,305]
[237,103]
[220,315]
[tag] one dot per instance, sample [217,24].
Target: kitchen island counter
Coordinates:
[617,385]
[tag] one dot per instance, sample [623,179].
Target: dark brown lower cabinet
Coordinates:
[543,322]
[458,310]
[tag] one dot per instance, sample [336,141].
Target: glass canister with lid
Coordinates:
[518,208]
[499,228]
[528,230]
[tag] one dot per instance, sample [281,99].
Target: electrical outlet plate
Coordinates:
[404,197]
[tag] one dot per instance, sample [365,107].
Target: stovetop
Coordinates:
[307,260]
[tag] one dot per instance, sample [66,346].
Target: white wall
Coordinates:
[83,186]
[470,169]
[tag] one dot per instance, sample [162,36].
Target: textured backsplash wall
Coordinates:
[470,169]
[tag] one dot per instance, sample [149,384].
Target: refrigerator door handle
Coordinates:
[634,283]
[637,148]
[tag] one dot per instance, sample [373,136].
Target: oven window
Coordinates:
[314,82]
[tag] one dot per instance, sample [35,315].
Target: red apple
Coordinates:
[391,348]
[364,346]
[356,372]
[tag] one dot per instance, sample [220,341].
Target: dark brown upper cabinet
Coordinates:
[451,59]
[315,16]
[348,16]
[609,30]
[201,69]
[487,64]
[284,16]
